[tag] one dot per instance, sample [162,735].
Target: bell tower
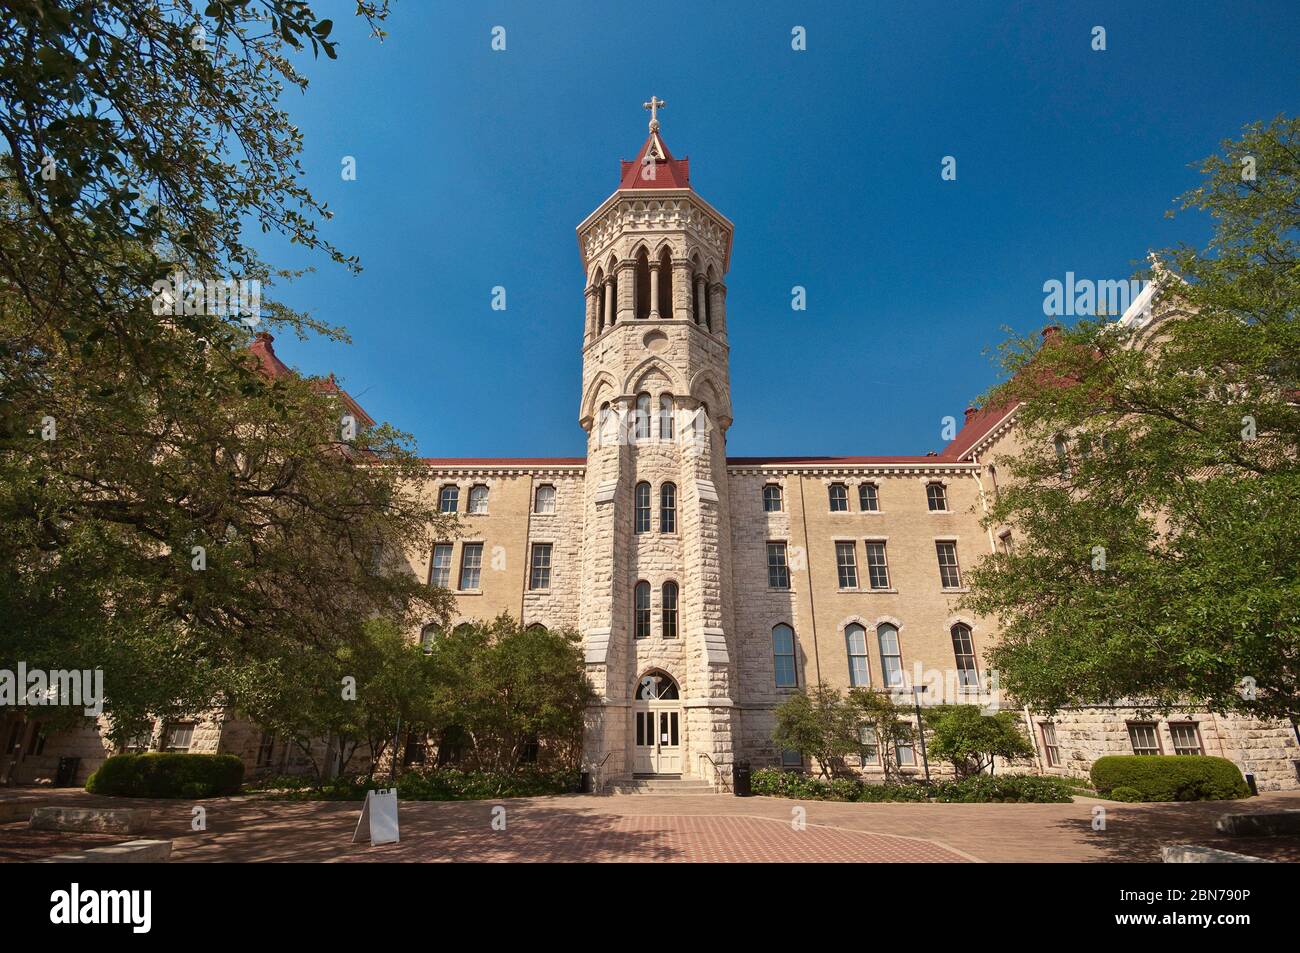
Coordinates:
[656,610]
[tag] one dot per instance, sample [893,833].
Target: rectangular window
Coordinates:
[791,759]
[266,749]
[771,498]
[545,500]
[471,565]
[449,499]
[936,497]
[949,574]
[870,744]
[1186,736]
[540,577]
[868,498]
[839,498]
[963,648]
[180,737]
[440,566]
[1142,736]
[877,565]
[846,562]
[904,750]
[778,570]
[1049,744]
[783,656]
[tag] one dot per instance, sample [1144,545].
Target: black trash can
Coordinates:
[740,779]
[67,771]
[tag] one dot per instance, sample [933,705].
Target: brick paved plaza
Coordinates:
[679,829]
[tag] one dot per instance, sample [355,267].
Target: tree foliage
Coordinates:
[1162,562]
[969,740]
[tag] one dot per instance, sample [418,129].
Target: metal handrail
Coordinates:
[722,782]
[595,772]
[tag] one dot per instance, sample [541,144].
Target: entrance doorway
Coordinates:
[657,713]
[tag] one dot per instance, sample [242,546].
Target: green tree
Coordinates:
[1161,559]
[818,723]
[969,740]
[888,722]
[507,690]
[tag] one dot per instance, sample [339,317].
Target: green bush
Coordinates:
[1170,777]
[1005,788]
[437,784]
[792,784]
[167,775]
[1123,793]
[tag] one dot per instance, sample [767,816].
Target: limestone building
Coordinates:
[707,588]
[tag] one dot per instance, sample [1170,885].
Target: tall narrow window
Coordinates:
[642,416]
[1063,457]
[440,566]
[544,500]
[891,656]
[904,748]
[1050,744]
[670,610]
[641,508]
[936,496]
[540,575]
[666,429]
[783,656]
[772,498]
[877,565]
[449,499]
[868,498]
[870,744]
[478,499]
[778,571]
[963,648]
[641,610]
[949,573]
[839,494]
[668,508]
[1142,736]
[846,562]
[471,565]
[859,668]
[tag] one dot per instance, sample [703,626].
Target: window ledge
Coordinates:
[891,589]
[469,592]
[958,589]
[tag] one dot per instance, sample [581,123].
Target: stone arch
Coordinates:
[654,671]
[602,387]
[706,388]
[641,281]
[634,380]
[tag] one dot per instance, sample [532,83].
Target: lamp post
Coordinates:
[917,690]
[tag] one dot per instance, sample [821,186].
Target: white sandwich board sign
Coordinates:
[378,818]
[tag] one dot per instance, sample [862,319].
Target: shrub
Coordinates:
[1011,788]
[1170,777]
[168,775]
[438,784]
[773,783]
[1123,793]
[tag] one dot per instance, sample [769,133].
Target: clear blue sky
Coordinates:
[474,167]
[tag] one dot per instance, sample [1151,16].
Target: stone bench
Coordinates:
[1191,854]
[18,808]
[90,820]
[1260,825]
[132,852]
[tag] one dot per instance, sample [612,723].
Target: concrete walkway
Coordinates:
[646,828]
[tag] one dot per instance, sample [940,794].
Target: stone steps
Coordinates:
[658,786]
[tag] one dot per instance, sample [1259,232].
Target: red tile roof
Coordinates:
[274,368]
[470,462]
[669,173]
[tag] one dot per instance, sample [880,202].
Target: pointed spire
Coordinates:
[654,166]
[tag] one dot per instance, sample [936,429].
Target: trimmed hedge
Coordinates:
[774,783]
[1168,777]
[1005,788]
[438,784]
[167,775]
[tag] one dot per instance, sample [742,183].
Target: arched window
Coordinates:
[449,499]
[891,656]
[1063,457]
[463,628]
[642,285]
[641,508]
[657,685]
[855,636]
[868,498]
[668,508]
[641,610]
[783,656]
[693,291]
[428,635]
[544,499]
[708,307]
[670,610]
[478,499]
[772,502]
[839,495]
[936,497]
[666,431]
[665,284]
[600,301]
[963,648]
[537,627]
[642,416]
[611,293]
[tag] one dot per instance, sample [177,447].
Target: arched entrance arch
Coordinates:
[657,715]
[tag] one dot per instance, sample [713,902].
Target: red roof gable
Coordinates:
[669,173]
[274,368]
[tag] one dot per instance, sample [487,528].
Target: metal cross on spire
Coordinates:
[654,106]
